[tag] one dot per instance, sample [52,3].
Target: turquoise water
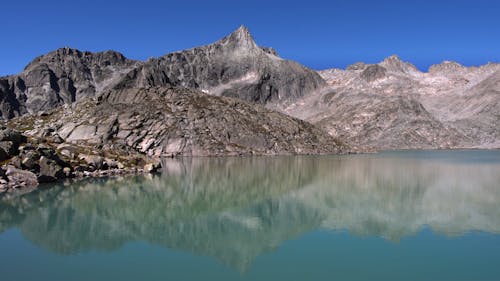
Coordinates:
[430,215]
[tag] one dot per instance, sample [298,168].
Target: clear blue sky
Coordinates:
[319,34]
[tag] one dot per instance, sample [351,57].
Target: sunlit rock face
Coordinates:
[393,105]
[236,209]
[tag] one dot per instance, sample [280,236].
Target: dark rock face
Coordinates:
[234,66]
[59,77]
[9,143]
[12,97]
[3,154]
[15,137]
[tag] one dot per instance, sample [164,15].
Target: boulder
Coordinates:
[16,162]
[50,170]
[55,139]
[29,160]
[13,136]
[67,172]
[82,132]
[20,178]
[97,162]
[114,164]
[68,151]
[9,147]
[152,167]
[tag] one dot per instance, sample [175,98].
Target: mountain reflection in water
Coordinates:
[236,209]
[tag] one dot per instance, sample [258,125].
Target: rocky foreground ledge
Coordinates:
[29,161]
[130,130]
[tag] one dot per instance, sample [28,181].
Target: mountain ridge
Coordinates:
[358,104]
[235,66]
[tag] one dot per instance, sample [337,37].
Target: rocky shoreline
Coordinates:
[30,161]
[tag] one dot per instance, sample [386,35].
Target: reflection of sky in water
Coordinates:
[237,209]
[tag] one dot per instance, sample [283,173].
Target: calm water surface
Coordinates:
[389,216]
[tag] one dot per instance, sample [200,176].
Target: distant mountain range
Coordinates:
[389,105]
[392,105]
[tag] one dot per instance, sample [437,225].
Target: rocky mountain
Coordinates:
[81,113]
[233,66]
[388,105]
[60,77]
[392,105]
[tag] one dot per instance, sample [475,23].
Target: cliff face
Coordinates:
[233,66]
[60,77]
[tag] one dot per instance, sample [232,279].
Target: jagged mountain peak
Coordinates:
[394,63]
[393,58]
[391,63]
[447,66]
[242,29]
[242,33]
[234,66]
[240,38]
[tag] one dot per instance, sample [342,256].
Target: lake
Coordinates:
[410,215]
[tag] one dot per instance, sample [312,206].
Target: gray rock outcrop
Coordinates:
[177,121]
